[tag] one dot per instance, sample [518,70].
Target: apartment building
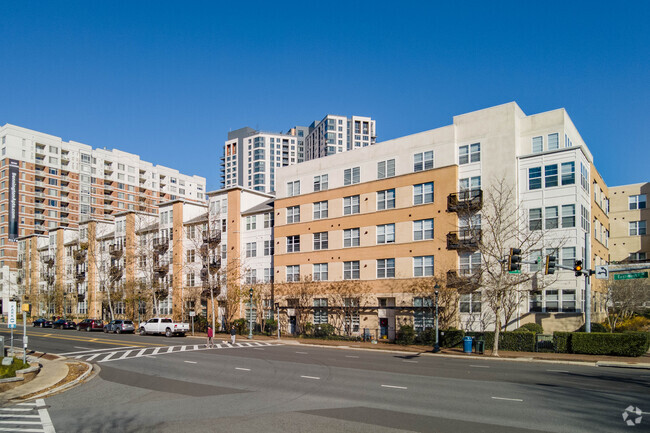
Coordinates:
[541,157]
[336,134]
[629,217]
[46,182]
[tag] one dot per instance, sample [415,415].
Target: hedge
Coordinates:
[600,343]
[562,342]
[520,341]
[451,338]
[531,327]
[595,327]
[405,335]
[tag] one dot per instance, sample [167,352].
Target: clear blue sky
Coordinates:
[168,80]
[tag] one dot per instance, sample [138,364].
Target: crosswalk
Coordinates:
[26,417]
[118,354]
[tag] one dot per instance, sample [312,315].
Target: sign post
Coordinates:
[192,314]
[12,321]
[24,337]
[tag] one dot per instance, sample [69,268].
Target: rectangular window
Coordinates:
[551,216]
[471,153]
[423,266]
[470,263]
[553,141]
[422,229]
[637,228]
[251,222]
[584,218]
[268,248]
[321,241]
[423,161]
[351,237]
[568,301]
[190,256]
[351,205]
[351,176]
[423,314]
[535,178]
[251,249]
[386,199]
[568,256]
[386,234]
[320,210]
[320,272]
[385,169]
[568,173]
[568,215]
[535,302]
[268,220]
[293,244]
[386,268]
[470,303]
[320,183]
[293,273]
[538,144]
[423,193]
[552,300]
[637,202]
[550,176]
[535,219]
[293,214]
[293,188]
[320,311]
[351,270]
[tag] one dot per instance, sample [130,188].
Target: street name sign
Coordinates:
[12,314]
[631,276]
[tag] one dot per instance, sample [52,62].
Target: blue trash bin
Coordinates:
[467,344]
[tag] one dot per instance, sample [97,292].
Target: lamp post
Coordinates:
[436,347]
[250,315]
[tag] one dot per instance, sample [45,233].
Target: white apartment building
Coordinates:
[336,134]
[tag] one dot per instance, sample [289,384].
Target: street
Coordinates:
[163,384]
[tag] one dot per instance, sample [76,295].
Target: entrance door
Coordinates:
[383,327]
[292,325]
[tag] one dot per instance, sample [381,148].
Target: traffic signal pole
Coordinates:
[587,286]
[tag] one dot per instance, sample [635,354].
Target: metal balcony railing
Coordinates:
[468,239]
[468,200]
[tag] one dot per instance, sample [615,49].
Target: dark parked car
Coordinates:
[119,326]
[64,324]
[42,322]
[90,325]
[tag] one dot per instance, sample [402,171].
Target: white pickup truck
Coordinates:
[162,325]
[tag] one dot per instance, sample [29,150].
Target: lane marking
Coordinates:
[310,377]
[480,366]
[110,355]
[26,404]
[155,351]
[48,427]
[408,360]
[79,347]
[393,386]
[302,353]
[8,415]
[125,354]
[140,353]
[257,348]
[351,356]
[242,369]
[21,422]
[95,350]
[191,362]
[507,399]
[16,409]
[559,371]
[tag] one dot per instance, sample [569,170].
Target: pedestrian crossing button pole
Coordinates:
[250,315]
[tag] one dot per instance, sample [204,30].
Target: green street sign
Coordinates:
[631,276]
[515,272]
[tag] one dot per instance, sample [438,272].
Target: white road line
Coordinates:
[507,399]
[302,353]
[94,356]
[218,346]
[191,362]
[480,366]
[183,348]
[26,430]
[257,348]
[9,415]
[242,369]
[156,350]
[393,386]
[21,422]
[48,427]
[125,354]
[351,356]
[95,350]
[85,348]
[110,355]
[408,360]
[558,371]
[171,349]
[196,347]
[16,409]
[310,377]
[140,353]
[26,404]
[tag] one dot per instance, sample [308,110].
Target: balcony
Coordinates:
[212,241]
[116,251]
[80,276]
[79,256]
[468,201]
[161,245]
[464,240]
[464,280]
[48,260]
[115,273]
[39,205]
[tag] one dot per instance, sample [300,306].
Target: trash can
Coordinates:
[467,344]
[480,347]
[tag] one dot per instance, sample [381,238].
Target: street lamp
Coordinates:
[436,347]
[250,315]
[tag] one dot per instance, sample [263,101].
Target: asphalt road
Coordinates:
[160,384]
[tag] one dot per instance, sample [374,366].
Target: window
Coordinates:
[293,273]
[568,256]
[469,183]
[552,300]
[637,257]
[535,219]
[320,183]
[423,161]
[553,141]
[535,302]
[268,248]
[471,153]
[386,199]
[470,263]
[422,229]
[538,144]
[190,279]
[351,306]
[637,201]
[293,244]
[351,270]
[423,314]
[190,256]
[320,311]
[320,210]
[534,178]
[386,268]
[423,193]
[320,241]
[550,175]
[351,176]
[551,221]
[293,214]
[568,173]
[584,176]
[251,249]
[268,220]
[423,266]
[568,301]
[637,228]
[293,188]
[470,303]
[351,205]
[386,234]
[351,237]
[251,222]
[320,272]
[584,218]
[568,215]
[385,169]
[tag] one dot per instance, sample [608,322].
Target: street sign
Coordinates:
[12,314]
[631,276]
[602,272]
[192,314]
[518,271]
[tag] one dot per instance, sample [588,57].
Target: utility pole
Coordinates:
[587,286]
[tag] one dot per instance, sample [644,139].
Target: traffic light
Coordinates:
[577,267]
[550,265]
[514,260]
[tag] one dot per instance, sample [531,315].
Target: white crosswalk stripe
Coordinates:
[26,417]
[130,353]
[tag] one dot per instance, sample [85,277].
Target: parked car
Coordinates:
[42,322]
[119,326]
[163,325]
[90,325]
[64,324]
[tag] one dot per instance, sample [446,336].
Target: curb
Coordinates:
[65,386]
[622,365]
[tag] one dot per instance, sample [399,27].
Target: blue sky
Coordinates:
[168,80]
